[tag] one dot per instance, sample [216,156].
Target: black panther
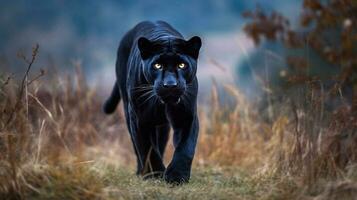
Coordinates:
[156,79]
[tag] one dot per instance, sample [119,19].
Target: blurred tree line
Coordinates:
[328,28]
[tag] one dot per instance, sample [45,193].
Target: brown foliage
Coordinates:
[325,141]
[327,27]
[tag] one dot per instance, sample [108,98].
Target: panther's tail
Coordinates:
[112,102]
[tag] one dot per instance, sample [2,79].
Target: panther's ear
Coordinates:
[193,46]
[145,47]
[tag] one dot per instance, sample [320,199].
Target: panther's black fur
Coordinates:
[156,78]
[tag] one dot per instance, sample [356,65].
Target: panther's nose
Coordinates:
[170,84]
[170,81]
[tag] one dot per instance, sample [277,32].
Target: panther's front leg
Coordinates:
[149,158]
[185,139]
[152,165]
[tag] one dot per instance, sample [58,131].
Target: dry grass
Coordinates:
[56,144]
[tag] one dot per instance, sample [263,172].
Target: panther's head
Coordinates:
[169,65]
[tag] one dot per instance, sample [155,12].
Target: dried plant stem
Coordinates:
[23,86]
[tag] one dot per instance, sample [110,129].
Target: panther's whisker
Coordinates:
[145,94]
[184,100]
[141,88]
[138,89]
[152,95]
[145,85]
[149,86]
[189,94]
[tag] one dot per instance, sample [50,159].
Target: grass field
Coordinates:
[98,182]
[56,143]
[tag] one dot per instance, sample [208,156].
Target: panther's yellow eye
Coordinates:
[181,65]
[157,66]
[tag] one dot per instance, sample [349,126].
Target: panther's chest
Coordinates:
[154,114]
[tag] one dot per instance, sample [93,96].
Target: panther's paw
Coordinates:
[176,177]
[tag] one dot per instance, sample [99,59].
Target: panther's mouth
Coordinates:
[170,100]
[170,96]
